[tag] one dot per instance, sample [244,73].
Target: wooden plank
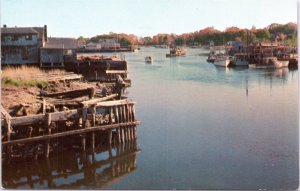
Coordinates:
[33,119]
[68,133]
[97,100]
[27,120]
[71,93]
[114,103]
[116,71]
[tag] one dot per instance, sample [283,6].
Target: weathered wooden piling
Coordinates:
[114,118]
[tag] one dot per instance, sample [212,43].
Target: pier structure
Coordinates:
[112,121]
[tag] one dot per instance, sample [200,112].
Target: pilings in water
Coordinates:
[112,122]
[76,168]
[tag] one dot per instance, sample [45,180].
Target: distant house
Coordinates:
[237,46]
[20,45]
[53,53]
[93,46]
[109,44]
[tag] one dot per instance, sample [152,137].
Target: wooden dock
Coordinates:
[113,121]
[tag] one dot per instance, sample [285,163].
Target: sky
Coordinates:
[74,18]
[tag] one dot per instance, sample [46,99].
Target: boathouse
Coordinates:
[56,50]
[21,45]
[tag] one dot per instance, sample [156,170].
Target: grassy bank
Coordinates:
[26,76]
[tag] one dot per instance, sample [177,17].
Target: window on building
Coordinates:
[28,37]
[14,38]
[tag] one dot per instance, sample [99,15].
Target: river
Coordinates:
[202,127]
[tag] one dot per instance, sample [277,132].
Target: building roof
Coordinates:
[59,43]
[22,30]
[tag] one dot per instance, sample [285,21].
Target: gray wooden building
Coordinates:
[21,45]
[55,51]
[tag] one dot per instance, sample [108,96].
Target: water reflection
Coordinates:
[72,169]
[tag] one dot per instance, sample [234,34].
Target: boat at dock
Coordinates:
[240,59]
[176,51]
[211,57]
[270,62]
[148,59]
[222,60]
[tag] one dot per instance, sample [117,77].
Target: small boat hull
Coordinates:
[222,61]
[271,62]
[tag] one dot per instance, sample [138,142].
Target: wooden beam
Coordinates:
[116,71]
[115,103]
[33,119]
[71,93]
[67,133]
[97,100]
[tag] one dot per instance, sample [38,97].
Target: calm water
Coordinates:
[203,127]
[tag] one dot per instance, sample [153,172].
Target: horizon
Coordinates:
[94,17]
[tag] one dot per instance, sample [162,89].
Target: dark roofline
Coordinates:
[19,30]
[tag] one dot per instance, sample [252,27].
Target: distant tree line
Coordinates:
[278,33]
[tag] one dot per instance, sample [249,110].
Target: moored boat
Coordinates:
[240,60]
[176,51]
[270,62]
[222,60]
[148,59]
[211,57]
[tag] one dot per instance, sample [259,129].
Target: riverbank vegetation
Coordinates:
[279,33]
[26,76]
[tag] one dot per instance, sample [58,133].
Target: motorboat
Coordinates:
[148,59]
[240,59]
[176,51]
[222,60]
[270,62]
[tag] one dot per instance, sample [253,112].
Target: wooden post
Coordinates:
[116,114]
[121,114]
[124,113]
[130,112]
[9,130]
[109,137]
[127,112]
[93,142]
[132,133]
[93,133]
[123,135]
[118,135]
[110,114]
[94,116]
[84,117]
[133,112]
[48,126]
[44,106]
[129,133]
[83,142]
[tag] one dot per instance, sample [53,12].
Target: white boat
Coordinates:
[148,59]
[270,62]
[222,60]
[176,51]
[240,60]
